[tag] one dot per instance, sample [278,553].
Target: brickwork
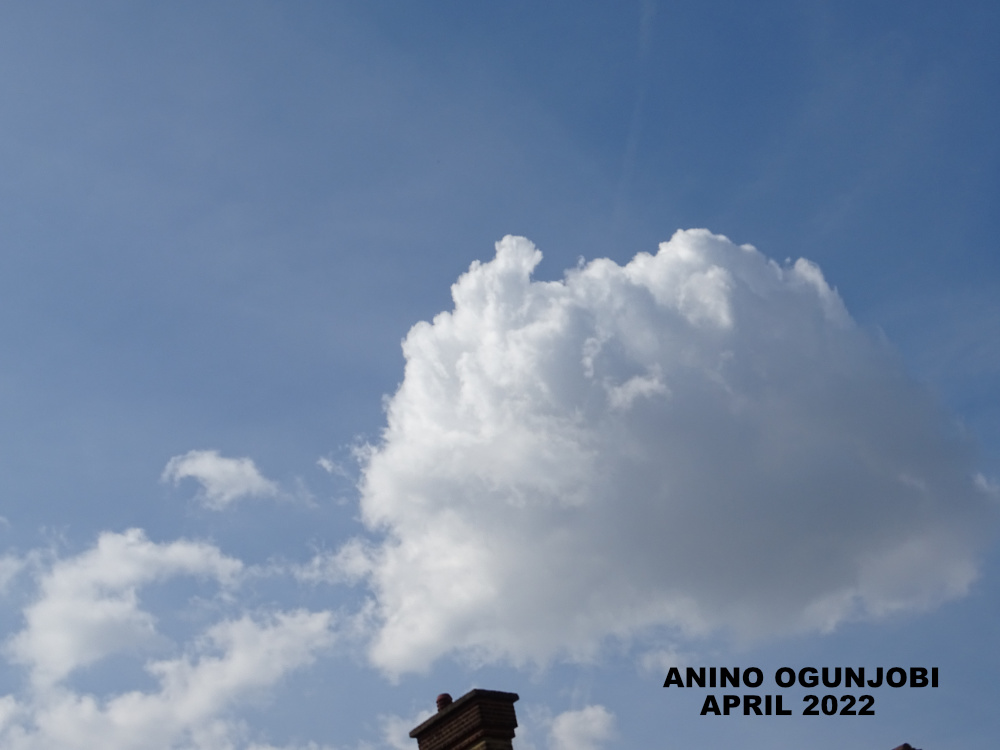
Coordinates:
[479,720]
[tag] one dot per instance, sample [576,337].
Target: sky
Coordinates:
[355,352]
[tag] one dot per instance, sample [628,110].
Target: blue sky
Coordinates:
[220,221]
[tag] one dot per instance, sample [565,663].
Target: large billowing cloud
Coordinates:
[701,439]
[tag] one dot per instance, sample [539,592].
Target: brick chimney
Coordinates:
[479,720]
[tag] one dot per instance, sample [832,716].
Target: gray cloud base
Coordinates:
[700,439]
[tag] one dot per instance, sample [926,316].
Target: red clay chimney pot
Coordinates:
[443,701]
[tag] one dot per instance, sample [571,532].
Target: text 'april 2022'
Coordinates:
[774,704]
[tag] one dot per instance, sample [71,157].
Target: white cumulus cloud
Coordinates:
[88,608]
[223,480]
[700,439]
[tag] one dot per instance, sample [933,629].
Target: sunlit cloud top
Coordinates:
[701,439]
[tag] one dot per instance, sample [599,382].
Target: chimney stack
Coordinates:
[479,720]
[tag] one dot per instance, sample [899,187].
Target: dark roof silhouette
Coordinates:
[479,720]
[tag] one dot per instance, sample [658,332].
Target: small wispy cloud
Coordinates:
[659,660]
[987,486]
[350,564]
[224,481]
[332,467]
[10,566]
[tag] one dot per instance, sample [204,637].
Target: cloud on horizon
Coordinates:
[700,440]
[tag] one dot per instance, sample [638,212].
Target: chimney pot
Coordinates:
[479,720]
